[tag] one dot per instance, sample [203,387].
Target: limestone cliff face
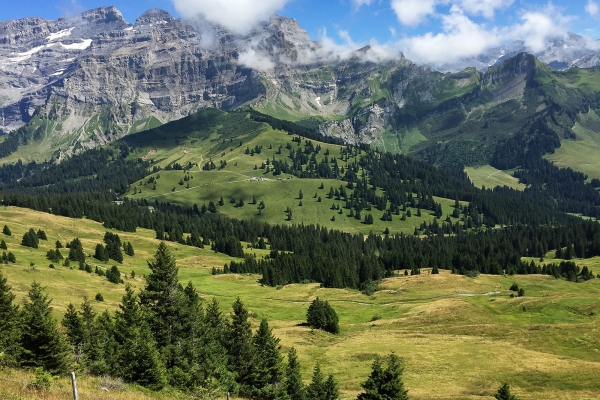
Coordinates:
[99,75]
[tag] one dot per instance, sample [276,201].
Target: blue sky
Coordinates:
[424,29]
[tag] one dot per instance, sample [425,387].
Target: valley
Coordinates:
[201,186]
[466,334]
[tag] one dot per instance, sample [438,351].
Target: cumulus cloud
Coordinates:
[413,12]
[535,30]
[461,38]
[592,8]
[239,16]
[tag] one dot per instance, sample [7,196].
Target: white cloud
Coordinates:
[592,8]
[413,12]
[535,29]
[487,8]
[256,60]
[239,16]
[460,38]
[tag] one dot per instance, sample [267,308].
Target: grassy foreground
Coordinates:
[460,337]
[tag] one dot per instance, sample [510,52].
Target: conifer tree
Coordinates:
[76,251]
[241,350]
[267,373]
[30,239]
[504,393]
[316,389]
[385,383]
[214,352]
[6,230]
[9,325]
[330,389]
[100,253]
[293,379]
[161,298]
[43,345]
[138,358]
[3,245]
[73,327]
[106,346]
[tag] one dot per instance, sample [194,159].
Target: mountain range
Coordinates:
[89,79]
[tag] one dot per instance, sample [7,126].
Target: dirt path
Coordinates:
[150,154]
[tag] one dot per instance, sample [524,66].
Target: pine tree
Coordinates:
[30,239]
[330,389]
[161,298]
[73,327]
[6,230]
[316,389]
[293,379]
[9,325]
[320,315]
[76,251]
[3,245]
[385,383]
[241,350]
[504,393]
[267,374]
[43,345]
[100,253]
[138,359]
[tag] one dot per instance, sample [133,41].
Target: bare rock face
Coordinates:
[98,76]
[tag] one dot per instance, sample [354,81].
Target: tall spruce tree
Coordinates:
[316,388]
[138,359]
[107,346]
[385,383]
[267,374]
[330,389]
[9,325]
[293,379]
[43,344]
[162,299]
[241,350]
[71,322]
[214,353]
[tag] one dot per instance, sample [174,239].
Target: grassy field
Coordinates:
[465,334]
[278,192]
[580,154]
[490,177]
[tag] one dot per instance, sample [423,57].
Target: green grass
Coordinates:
[465,334]
[581,154]
[490,177]
[278,192]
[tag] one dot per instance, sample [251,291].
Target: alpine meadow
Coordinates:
[195,210]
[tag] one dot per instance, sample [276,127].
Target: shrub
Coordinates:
[43,380]
[99,297]
[514,287]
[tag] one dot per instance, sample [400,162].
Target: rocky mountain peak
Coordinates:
[154,16]
[103,15]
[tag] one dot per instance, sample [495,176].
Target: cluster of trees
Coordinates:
[112,250]
[32,239]
[320,315]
